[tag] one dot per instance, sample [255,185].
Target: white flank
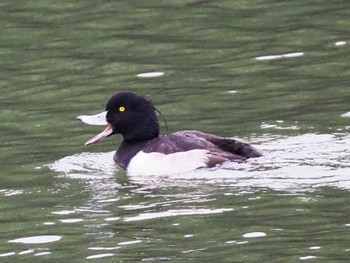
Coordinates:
[160,164]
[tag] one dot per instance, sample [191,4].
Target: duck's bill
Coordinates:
[108,131]
[97,119]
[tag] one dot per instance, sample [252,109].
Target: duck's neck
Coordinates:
[126,151]
[141,136]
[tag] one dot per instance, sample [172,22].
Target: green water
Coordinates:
[275,73]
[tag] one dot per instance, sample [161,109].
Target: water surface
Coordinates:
[270,72]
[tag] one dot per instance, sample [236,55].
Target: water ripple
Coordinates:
[178,212]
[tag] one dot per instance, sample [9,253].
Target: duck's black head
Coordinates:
[132,116]
[127,114]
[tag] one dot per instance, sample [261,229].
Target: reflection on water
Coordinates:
[179,212]
[346,114]
[287,55]
[36,239]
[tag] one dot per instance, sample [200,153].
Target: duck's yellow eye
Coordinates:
[121,109]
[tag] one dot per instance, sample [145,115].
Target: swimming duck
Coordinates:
[144,152]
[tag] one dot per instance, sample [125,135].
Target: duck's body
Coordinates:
[143,151]
[180,152]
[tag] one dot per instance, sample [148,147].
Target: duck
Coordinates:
[143,151]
